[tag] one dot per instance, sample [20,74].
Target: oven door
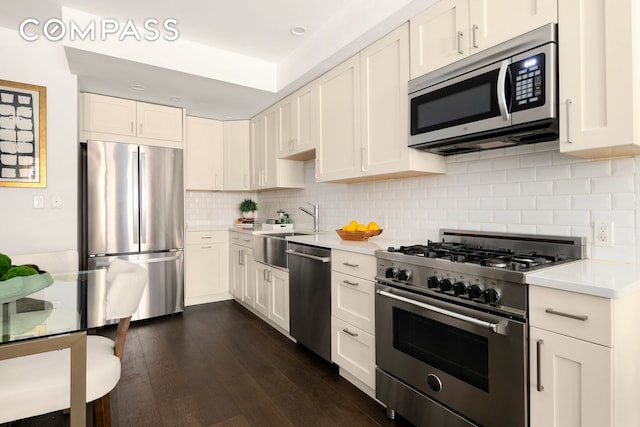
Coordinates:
[471,362]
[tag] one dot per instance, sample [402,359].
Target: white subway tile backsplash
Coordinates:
[572,218]
[521,175]
[493,203]
[537,217]
[554,202]
[537,188]
[495,177]
[506,217]
[623,201]
[554,230]
[591,169]
[572,186]
[613,184]
[591,201]
[537,159]
[555,172]
[481,216]
[624,166]
[521,203]
[512,189]
[524,189]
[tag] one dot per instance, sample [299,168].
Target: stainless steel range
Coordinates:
[452,328]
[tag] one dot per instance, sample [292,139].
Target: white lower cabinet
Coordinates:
[574,387]
[206,273]
[584,354]
[354,351]
[272,294]
[241,267]
[353,317]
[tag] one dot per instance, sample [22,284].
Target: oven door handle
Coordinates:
[499,327]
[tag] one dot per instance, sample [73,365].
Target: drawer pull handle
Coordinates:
[581,317]
[206,247]
[348,264]
[347,282]
[348,332]
[538,370]
[207,237]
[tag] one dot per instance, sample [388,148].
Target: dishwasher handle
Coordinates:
[323,259]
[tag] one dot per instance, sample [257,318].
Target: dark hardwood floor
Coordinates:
[219,365]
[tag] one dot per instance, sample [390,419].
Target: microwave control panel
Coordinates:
[528,78]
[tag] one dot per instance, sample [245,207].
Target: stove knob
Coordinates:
[475,291]
[460,288]
[446,285]
[433,282]
[491,296]
[404,274]
[391,272]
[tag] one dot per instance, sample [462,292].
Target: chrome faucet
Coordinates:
[315,214]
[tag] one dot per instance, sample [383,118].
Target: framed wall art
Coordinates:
[23,135]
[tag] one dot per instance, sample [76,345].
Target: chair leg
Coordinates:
[102,412]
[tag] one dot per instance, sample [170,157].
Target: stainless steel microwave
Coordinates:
[503,96]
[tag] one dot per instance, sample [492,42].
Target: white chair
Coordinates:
[38,384]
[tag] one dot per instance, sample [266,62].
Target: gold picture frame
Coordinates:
[23,135]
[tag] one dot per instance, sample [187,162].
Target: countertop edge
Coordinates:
[606,279]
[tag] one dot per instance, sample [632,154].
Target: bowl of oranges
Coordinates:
[358,231]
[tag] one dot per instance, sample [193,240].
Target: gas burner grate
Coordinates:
[464,253]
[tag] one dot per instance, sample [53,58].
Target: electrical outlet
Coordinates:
[603,234]
[56,202]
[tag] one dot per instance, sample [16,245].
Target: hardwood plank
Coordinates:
[219,365]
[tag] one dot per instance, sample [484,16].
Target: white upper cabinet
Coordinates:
[267,171]
[384,74]
[105,117]
[237,155]
[363,117]
[296,115]
[338,151]
[598,61]
[204,160]
[454,29]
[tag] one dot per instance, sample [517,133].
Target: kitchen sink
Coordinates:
[270,248]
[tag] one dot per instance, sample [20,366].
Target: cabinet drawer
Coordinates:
[242,239]
[353,350]
[355,264]
[353,300]
[203,237]
[577,315]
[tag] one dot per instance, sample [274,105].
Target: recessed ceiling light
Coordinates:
[298,31]
[174,99]
[137,87]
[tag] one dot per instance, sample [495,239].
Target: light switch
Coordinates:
[38,202]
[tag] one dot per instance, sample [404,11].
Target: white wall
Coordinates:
[529,189]
[22,228]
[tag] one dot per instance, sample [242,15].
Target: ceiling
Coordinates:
[230,59]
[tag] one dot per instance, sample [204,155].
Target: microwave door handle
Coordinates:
[502,97]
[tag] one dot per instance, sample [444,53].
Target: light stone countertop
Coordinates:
[330,240]
[606,279]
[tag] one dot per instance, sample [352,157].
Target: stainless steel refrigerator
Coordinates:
[133,208]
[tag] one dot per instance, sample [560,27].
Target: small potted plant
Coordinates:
[248,208]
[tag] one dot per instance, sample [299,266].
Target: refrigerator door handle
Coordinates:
[143,202]
[140,261]
[135,211]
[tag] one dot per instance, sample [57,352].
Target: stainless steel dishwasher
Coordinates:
[310,297]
